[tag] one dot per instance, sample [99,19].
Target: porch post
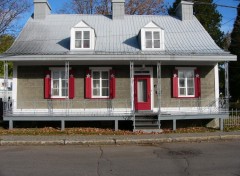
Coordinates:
[67,85]
[116,125]
[62,125]
[159,90]
[132,91]
[5,98]
[132,85]
[227,86]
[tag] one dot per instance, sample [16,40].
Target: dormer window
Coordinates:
[82,37]
[152,37]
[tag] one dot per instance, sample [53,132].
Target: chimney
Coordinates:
[41,9]
[185,10]
[118,9]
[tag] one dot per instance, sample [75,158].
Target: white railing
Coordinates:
[234,118]
[119,107]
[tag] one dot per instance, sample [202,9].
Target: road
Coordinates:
[172,159]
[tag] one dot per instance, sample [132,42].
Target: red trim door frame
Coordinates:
[142,92]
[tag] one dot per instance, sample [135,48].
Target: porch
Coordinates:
[115,110]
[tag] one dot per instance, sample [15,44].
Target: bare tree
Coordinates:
[10,10]
[132,7]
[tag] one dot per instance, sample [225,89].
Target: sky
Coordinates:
[229,14]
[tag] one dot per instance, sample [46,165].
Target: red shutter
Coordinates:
[47,85]
[197,82]
[71,85]
[88,84]
[112,84]
[175,83]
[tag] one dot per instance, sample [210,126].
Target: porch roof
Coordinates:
[118,38]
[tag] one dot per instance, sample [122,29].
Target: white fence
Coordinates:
[234,118]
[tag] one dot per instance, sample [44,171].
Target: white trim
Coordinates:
[143,38]
[216,75]
[73,38]
[150,69]
[60,85]
[14,89]
[185,68]
[100,69]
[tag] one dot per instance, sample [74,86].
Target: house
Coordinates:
[141,68]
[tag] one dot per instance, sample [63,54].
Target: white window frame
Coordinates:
[59,69]
[143,39]
[99,69]
[73,38]
[186,69]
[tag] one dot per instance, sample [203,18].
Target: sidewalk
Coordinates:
[12,140]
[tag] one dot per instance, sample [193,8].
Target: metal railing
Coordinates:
[234,119]
[99,107]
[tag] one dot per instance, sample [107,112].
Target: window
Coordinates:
[186,83]
[152,39]
[82,39]
[100,84]
[59,85]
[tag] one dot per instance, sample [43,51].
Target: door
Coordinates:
[142,94]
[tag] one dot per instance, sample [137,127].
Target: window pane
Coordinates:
[96,92]
[55,92]
[190,91]
[64,92]
[55,75]
[190,82]
[64,84]
[55,84]
[86,44]
[148,43]
[96,83]
[78,35]
[96,75]
[182,91]
[86,34]
[78,43]
[63,74]
[104,91]
[189,74]
[181,82]
[148,35]
[104,75]
[156,43]
[105,83]
[156,35]
[180,74]
[142,90]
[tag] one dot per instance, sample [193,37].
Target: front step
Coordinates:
[147,124]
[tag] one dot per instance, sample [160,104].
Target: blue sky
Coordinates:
[229,14]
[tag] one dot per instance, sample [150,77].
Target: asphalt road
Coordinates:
[172,159]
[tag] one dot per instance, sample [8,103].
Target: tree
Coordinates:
[207,14]
[10,10]
[234,67]
[132,7]
[5,42]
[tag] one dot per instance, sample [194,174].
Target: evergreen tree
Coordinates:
[234,67]
[206,12]
[5,42]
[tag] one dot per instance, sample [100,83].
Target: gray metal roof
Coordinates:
[52,36]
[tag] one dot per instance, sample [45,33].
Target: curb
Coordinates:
[119,141]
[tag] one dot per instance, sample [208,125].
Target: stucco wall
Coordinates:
[30,93]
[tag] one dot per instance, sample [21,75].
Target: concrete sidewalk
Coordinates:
[12,140]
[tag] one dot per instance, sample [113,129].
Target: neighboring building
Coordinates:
[142,68]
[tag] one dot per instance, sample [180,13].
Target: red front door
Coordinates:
[142,94]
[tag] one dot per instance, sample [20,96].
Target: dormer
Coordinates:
[152,38]
[82,37]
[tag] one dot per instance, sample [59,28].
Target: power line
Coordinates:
[220,5]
